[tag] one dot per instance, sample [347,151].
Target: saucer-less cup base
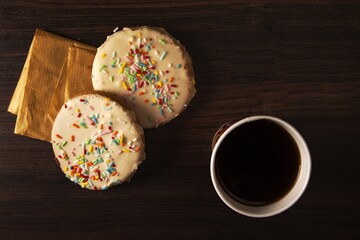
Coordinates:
[289,199]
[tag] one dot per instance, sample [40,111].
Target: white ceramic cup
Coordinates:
[286,201]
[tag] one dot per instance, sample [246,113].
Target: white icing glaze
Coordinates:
[149,69]
[97,142]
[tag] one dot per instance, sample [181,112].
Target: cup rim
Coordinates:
[285,202]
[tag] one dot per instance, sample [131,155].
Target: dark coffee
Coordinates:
[258,163]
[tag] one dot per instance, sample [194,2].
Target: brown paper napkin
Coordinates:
[74,79]
[18,94]
[47,67]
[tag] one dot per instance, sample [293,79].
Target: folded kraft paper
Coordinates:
[55,70]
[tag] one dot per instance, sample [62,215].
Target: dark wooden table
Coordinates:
[299,61]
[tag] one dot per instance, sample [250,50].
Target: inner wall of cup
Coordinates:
[289,199]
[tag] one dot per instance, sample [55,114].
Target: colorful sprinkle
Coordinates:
[116,141]
[102,68]
[162,41]
[106,132]
[121,140]
[63,143]
[58,136]
[163,55]
[124,85]
[108,108]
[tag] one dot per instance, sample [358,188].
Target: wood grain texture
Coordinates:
[299,61]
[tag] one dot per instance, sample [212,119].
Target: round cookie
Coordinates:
[97,142]
[151,70]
